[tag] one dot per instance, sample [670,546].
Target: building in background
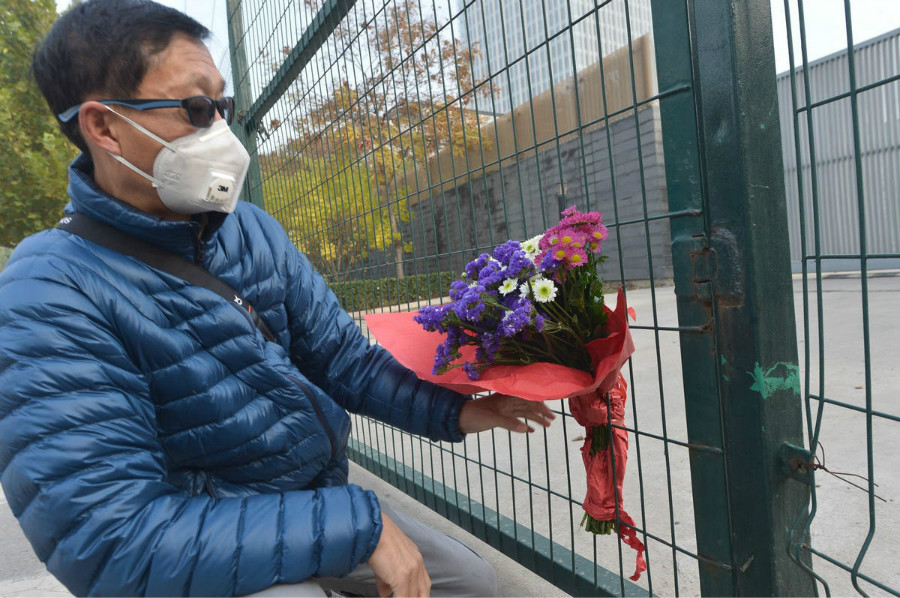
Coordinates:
[840,170]
[525,46]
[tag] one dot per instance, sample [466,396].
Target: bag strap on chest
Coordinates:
[160,259]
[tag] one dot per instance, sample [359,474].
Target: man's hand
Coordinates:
[502,411]
[398,564]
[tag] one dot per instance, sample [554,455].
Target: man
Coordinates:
[152,441]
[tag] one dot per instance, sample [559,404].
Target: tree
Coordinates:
[337,219]
[396,99]
[35,152]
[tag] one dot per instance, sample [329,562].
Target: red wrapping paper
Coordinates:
[603,501]
[414,347]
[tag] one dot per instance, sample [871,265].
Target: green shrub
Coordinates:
[363,295]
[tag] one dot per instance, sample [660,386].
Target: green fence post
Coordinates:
[243,127]
[734,291]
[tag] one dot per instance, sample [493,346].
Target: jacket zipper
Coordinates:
[209,489]
[199,247]
[199,251]
[319,413]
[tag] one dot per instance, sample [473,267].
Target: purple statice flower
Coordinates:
[490,275]
[457,289]
[549,264]
[471,371]
[539,322]
[448,350]
[476,265]
[515,320]
[442,358]
[470,306]
[510,301]
[503,253]
[454,335]
[519,265]
[431,316]
[491,344]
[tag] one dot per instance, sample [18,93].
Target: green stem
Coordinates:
[599,439]
[598,527]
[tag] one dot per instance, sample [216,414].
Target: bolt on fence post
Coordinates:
[242,128]
[732,281]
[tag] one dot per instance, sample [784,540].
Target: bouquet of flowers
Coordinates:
[530,320]
[539,301]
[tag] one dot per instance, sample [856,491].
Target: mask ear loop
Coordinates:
[143,130]
[153,180]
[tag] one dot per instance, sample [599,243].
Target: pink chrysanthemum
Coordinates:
[569,241]
[589,223]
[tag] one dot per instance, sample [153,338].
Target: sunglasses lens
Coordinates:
[226,108]
[201,111]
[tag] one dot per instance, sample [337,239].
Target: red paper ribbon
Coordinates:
[605,475]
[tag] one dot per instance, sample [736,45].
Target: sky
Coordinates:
[825,26]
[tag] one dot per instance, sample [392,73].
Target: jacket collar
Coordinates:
[181,237]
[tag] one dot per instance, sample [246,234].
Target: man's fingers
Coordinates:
[418,584]
[398,564]
[504,411]
[535,411]
[384,588]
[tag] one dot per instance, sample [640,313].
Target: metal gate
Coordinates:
[397,139]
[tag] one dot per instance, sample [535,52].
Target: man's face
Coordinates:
[185,68]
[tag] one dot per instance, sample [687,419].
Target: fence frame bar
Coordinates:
[534,551]
[242,97]
[732,277]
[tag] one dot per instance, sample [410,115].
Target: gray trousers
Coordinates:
[454,568]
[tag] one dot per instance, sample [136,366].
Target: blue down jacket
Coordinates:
[152,442]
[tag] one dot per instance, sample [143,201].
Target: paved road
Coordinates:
[840,526]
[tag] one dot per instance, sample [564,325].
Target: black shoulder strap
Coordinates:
[160,259]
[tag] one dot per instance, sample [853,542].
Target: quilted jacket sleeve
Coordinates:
[85,476]
[363,378]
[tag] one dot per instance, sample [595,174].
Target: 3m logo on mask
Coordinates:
[219,189]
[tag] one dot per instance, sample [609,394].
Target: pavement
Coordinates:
[664,507]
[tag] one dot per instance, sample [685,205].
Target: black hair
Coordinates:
[104,47]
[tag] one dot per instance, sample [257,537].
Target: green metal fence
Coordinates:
[397,139]
[851,100]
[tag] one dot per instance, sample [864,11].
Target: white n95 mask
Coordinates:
[200,172]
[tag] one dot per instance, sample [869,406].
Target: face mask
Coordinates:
[200,172]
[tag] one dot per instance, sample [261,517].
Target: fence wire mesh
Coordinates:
[396,140]
[421,134]
[840,119]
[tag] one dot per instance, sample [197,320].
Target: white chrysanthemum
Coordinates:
[544,291]
[523,291]
[509,285]
[531,248]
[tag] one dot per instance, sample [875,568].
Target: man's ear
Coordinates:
[99,127]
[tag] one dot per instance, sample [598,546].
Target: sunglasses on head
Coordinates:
[201,110]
